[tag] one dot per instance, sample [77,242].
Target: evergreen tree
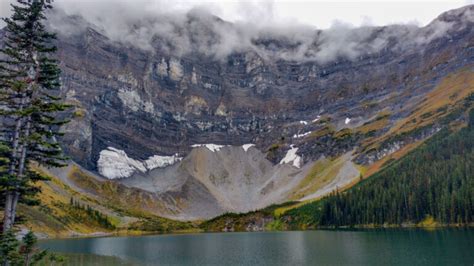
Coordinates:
[9,248]
[24,252]
[435,181]
[29,104]
[28,251]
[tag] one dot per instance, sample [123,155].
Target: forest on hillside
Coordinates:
[435,181]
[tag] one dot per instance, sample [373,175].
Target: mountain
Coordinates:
[152,103]
[188,130]
[430,187]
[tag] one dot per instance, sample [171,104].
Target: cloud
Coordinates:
[182,29]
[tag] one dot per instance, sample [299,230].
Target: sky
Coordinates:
[322,14]
[317,13]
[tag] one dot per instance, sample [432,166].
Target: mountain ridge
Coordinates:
[316,125]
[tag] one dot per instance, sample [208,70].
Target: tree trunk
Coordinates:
[27,260]
[16,137]
[7,217]
[21,167]
[7,222]
[26,96]
[24,149]
[16,197]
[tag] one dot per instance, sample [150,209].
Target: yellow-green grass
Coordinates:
[52,216]
[57,218]
[343,133]
[379,123]
[321,173]
[133,202]
[79,113]
[450,91]
[324,170]
[428,222]
[130,202]
[326,130]
[436,104]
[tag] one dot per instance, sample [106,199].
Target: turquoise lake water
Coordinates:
[322,247]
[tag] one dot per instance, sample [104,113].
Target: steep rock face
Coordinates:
[149,103]
[134,104]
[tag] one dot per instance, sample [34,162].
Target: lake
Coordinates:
[322,247]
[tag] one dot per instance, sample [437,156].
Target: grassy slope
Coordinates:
[447,98]
[310,215]
[436,105]
[322,172]
[252,221]
[55,217]
[290,216]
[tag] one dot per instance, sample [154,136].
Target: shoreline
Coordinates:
[199,231]
[123,233]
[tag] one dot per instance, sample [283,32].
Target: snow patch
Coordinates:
[246,147]
[207,86]
[216,147]
[211,147]
[158,161]
[292,157]
[296,136]
[347,121]
[114,163]
[316,119]
[202,125]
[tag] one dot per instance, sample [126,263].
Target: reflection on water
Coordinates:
[366,247]
[73,259]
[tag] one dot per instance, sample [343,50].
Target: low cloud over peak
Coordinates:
[152,25]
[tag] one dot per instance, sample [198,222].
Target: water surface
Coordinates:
[366,247]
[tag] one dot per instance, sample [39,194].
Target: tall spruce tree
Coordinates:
[29,104]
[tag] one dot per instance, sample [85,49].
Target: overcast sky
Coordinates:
[320,14]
